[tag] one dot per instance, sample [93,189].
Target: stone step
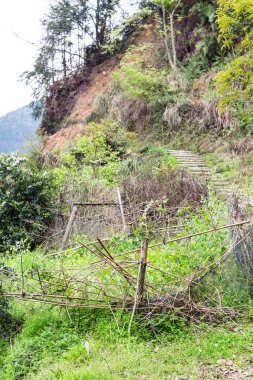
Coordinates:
[188,158]
[186,155]
[191,161]
[184,166]
[223,184]
[178,151]
[195,164]
[192,155]
[196,170]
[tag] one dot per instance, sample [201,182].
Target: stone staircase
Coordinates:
[195,163]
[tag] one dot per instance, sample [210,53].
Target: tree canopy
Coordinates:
[72,30]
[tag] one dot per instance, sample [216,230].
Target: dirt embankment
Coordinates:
[86,101]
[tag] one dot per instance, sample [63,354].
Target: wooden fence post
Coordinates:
[121,209]
[142,272]
[69,226]
[140,288]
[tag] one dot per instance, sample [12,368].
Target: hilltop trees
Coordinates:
[101,17]
[73,30]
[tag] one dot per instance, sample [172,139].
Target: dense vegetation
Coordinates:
[69,309]
[27,202]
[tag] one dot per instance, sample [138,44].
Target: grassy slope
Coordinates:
[54,344]
[186,356]
[51,347]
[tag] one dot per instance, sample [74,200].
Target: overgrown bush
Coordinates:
[6,321]
[156,198]
[138,78]
[154,188]
[116,137]
[9,323]
[27,202]
[234,82]
[234,86]
[95,157]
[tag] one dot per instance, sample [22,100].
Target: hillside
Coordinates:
[16,129]
[126,239]
[91,100]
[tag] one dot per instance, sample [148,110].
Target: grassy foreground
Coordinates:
[43,342]
[54,344]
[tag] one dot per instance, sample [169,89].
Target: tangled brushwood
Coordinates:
[114,278]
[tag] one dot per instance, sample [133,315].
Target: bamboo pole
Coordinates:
[191,236]
[140,288]
[69,226]
[142,272]
[121,209]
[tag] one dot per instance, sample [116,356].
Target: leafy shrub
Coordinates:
[234,85]
[7,322]
[234,82]
[116,137]
[139,79]
[95,157]
[206,46]
[27,201]
[206,52]
[235,23]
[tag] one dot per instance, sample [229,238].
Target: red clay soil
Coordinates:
[62,137]
[86,103]
[99,81]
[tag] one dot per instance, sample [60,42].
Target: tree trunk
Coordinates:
[173,42]
[166,38]
[172,56]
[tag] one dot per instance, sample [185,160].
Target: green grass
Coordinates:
[52,343]
[175,261]
[88,345]
[236,169]
[138,360]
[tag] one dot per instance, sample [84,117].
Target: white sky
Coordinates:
[20,17]
[23,18]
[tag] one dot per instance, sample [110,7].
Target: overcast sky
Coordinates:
[20,22]
[20,17]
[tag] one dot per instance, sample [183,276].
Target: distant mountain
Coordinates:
[16,128]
